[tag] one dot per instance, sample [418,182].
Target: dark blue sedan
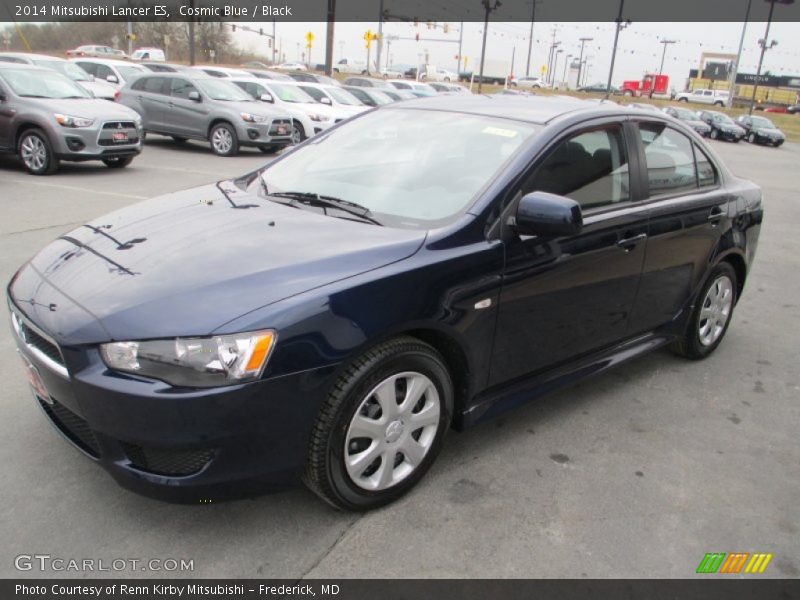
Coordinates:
[426,265]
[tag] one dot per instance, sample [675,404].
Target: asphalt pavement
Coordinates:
[637,473]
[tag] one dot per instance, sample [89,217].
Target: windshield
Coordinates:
[290,93]
[424,87]
[379,97]
[343,96]
[407,167]
[70,69]
[130,72]
[762,122]
[685,115]
[720,118]
[222,90]
[42,84]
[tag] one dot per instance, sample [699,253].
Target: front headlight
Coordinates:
[70,121]
[195,362]
[317,118]
[251,118]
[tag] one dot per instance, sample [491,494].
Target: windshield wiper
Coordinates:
[310,199]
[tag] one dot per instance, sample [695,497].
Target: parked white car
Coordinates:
[154,54]
[345,104]
[292,66]
[222,72]
[439,74]
[116,72]
[99,89]
[529,82]
[308,116]
[704,96]
[346,65]
[97,51]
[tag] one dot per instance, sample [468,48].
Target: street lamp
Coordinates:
[765,44]
[550,68]
[555,65]
[533,4]
[621,24]
[566,64]
[583,40]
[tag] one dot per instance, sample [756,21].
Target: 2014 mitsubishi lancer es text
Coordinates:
[422,266]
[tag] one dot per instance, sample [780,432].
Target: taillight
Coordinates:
[116,95]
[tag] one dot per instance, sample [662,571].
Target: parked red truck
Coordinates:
[659,84]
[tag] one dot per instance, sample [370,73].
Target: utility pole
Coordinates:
[620,26]
[379,47]
[765,45]
[553,46]
[664,53]
[735,70]
[130,38]
[533,4]
[583,41]
[274,43]
[460,43]
[555,65]
[191,34]
[488,8]
[566,63]
[328,38]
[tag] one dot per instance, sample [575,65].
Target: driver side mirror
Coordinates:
[194,95]
[91,77]
[548,215]
[266,98]
[112,79]
[326,100]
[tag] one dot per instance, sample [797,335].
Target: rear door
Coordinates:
[567,296]
[151,97]
[688,210]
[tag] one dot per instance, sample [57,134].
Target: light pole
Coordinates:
[533,4]
[488,7]
[555,65]
[664,53]
[621,24]
[735,70]
[550,76]
[765,44]
[583,40]
[566,64]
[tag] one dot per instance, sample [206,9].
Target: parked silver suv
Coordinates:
[197,106]
[45,117]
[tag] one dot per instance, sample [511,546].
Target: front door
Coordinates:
[564,297]
[185,116]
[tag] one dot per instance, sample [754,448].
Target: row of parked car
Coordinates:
[57,109]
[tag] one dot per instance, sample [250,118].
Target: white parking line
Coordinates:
[78,189]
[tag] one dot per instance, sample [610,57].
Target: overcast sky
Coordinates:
[639,47]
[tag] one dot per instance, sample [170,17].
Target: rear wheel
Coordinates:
[381,427]
[711,315]
[36,153]
[718,104]
[118,162]
[683,99]
[224,141]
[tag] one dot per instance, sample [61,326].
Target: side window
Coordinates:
[316,94]
[180,88]
[153,85]
[90,68]
[103,71]
[12,59]
[669,157]
[708,93]
[706,173]
[138,85]
[591,168]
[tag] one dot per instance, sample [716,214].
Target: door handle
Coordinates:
[629,244]
[715,216]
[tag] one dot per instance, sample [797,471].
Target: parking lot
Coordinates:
[637,473]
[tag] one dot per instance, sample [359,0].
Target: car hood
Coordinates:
[697,123]
[100,89]
[262,109]
[90,107]
[769,130]
[187,263]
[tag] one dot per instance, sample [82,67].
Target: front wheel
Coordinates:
[117,162]
[714,134]
[683,100]
[711,315]
[381,426]
[751,138]
[298,135]
[36,153]
[224,141]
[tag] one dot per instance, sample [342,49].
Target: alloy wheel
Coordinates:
[716,310]
[392,430]
[33,153]
[222,140]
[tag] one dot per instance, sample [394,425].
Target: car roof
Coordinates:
[532,109]
[31,56]
[23,66]
[107,61]
[186,74]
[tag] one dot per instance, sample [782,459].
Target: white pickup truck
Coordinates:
[713,97]
[348,66]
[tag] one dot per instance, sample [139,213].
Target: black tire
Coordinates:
[118,162]
[36,138]
[297,128]
[718,104]
[690,345]
[326,473]
[683,100]
[179,140]
[714,134]
[231,150]
[751,138]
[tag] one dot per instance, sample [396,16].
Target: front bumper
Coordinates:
[265,134]
[97,142]
[733,136]
[179,445]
